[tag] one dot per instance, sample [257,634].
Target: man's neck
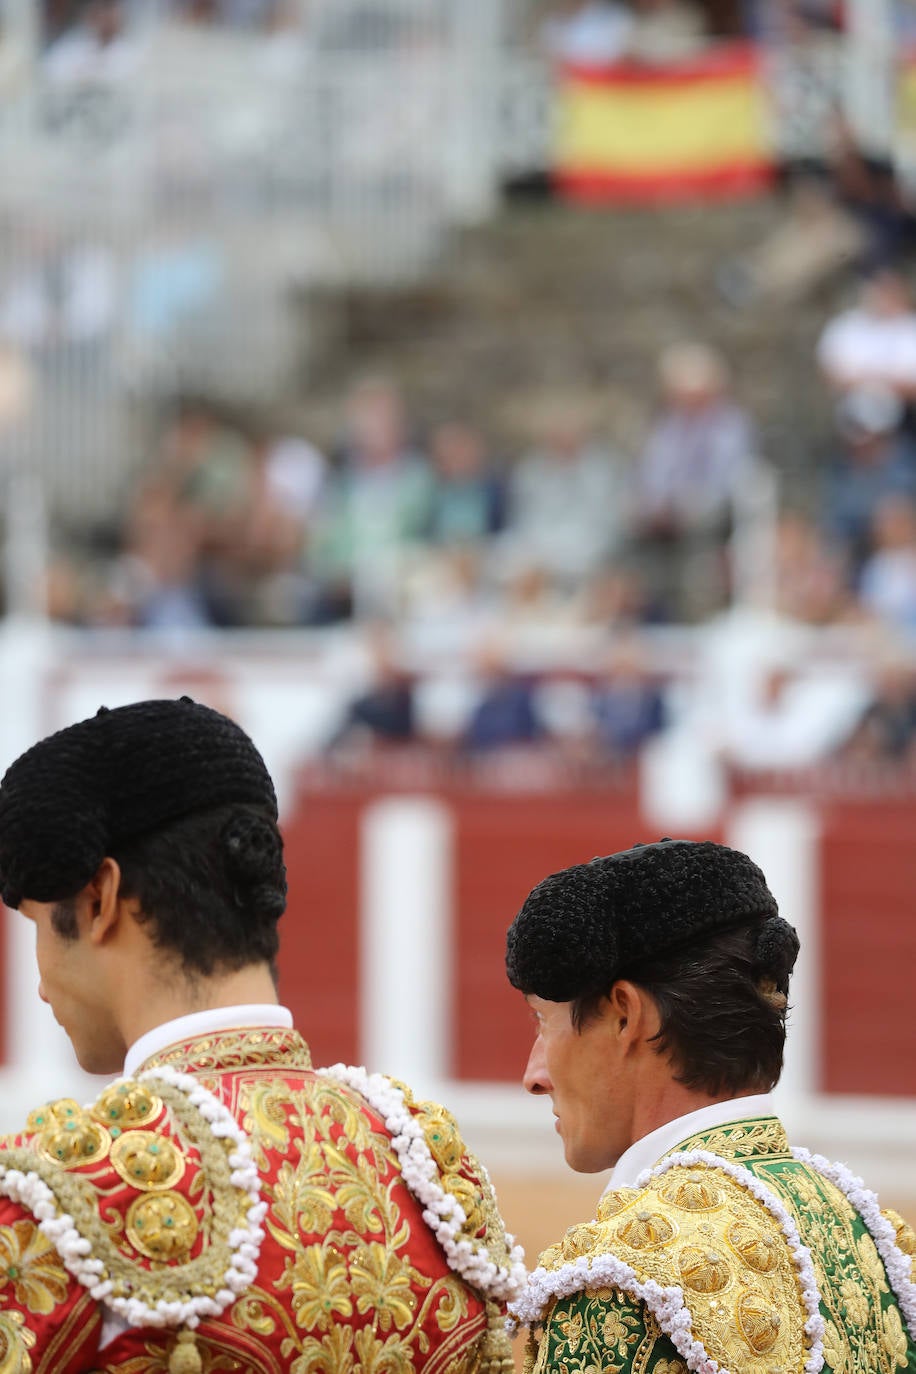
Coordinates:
[169,999]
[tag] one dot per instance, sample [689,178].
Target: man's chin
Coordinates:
[104,1064]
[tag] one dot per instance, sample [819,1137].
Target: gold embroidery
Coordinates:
[162,1226]
[758,1249]
[903,1231]
[705,1271]
[612,1203]
[226,1209]
[65,1134]
[124,1105]
[758,1322]
[700,1229]
[692,1192]
[643,1230]
[442,1137]
[147,1160]
[850,1275]
[29,1262]
[279,1049]
[740,1140]
[320,1285]
[16,1340]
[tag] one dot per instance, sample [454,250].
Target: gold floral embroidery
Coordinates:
[275,1048]
[894,1339]
[16,1340]
[742,1140]
[320,1286]
[29,1262]
[384,1284]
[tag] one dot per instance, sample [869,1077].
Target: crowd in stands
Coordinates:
[479,556]
[422,524]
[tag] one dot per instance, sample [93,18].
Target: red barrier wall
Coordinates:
[506,843]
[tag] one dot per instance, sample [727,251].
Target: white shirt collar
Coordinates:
[203,1023]
[654,1146]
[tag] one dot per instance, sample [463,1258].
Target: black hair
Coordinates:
[211,886]
[722,1007]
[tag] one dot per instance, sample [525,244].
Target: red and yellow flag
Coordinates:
[639,134]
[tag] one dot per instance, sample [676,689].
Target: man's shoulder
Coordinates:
[448,1181]
[699,1250]
[149,1196]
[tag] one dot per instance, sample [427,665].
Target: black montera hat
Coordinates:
[581,928]
[75,796]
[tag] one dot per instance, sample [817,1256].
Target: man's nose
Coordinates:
[536,1078]
[41,992]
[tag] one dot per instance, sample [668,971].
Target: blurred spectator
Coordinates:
[288,481]
[888,582]
[244,13]
[98,50]
[866,185]
[887,730]
[505,713]
[616,597]
[811,582]
[799,716]
[874,343]
[468,498]
[700,452]
[568,506]
[64,300]
[587,33]
[378,502]
[157,582]
[206,466]
[288,476]
[627,701]
[88,73]
[874,462]
[384,713]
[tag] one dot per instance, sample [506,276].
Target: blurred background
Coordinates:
[507,411]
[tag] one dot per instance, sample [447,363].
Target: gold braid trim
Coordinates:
[495,1351]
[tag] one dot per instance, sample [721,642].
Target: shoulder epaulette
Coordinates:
[149,1196]
[707,1253]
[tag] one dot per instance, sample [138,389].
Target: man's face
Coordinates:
[72,984]
[585,1075]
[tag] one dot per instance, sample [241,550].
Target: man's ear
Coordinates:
[103,899]
[633,1011]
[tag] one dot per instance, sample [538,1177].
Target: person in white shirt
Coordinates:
[222,1203]
[658,979]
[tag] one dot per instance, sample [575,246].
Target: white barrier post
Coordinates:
[781,836]
[405,905]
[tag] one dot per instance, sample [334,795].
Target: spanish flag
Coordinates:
[640,135]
